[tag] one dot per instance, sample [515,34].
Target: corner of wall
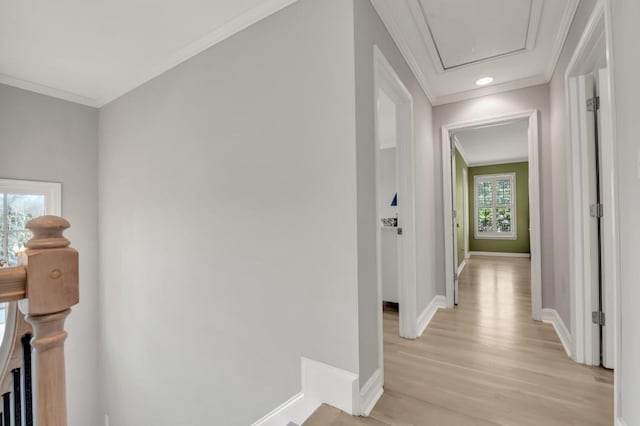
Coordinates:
[325,384]
[551,316]
[427,315]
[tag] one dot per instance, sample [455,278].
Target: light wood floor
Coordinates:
[484,363]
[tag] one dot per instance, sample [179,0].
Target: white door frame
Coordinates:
[596,37]
[534,203]
[465,211]
[386,79]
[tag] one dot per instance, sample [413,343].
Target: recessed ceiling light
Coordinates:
[484,81]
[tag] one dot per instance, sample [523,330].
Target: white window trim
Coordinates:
[52,192]
[513,235]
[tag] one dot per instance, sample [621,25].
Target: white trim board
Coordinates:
[297,409]
[321,384]
[427,315]
[550,316]
[47,91]
[387,80]
[371,392]
[461,266]
[498,254]
[620,422]
[495,163]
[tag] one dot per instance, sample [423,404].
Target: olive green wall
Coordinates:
[460,164]
[521,243]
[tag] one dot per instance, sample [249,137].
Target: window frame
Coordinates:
[495,235]
[52,192]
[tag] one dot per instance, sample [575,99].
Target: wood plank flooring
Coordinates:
[484,363]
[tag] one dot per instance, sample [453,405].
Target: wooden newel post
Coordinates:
[51,291]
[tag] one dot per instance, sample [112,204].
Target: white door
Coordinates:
[595,97]
[455,221]
[607,197]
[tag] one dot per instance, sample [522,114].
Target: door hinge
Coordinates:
[593,104]
[596,210]
[399,231]
[598,318]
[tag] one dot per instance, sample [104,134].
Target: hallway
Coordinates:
[484,363]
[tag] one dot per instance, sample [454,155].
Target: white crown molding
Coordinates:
[426,35]
[386,15]
[561,36]
[419,18]
[534,23]
[47,91]
[248,18]
[551,316]
[491,90]
[497,163]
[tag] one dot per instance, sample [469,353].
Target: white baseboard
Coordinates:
[461,266]
[331,385]
[425,317]
[296,410]
[620,422]
[371,393]
[551,316]
[321,384]
[498,254]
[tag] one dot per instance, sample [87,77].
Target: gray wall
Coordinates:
[370,31]
[47,139]
[626,57]
[228,224]
[536,97]
[559,164]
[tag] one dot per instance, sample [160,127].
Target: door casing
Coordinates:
[534,203]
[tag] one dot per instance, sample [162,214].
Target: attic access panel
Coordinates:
[469,31]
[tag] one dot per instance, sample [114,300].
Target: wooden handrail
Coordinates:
[13,283]
[48,279]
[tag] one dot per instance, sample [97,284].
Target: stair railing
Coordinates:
[46,285]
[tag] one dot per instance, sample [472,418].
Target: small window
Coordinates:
[495,206]
[21,201]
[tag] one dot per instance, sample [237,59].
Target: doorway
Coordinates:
[593,203]
[395,201]
[499,219]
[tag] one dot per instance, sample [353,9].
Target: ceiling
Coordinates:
[92,52]
[449,44]
[496,143]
